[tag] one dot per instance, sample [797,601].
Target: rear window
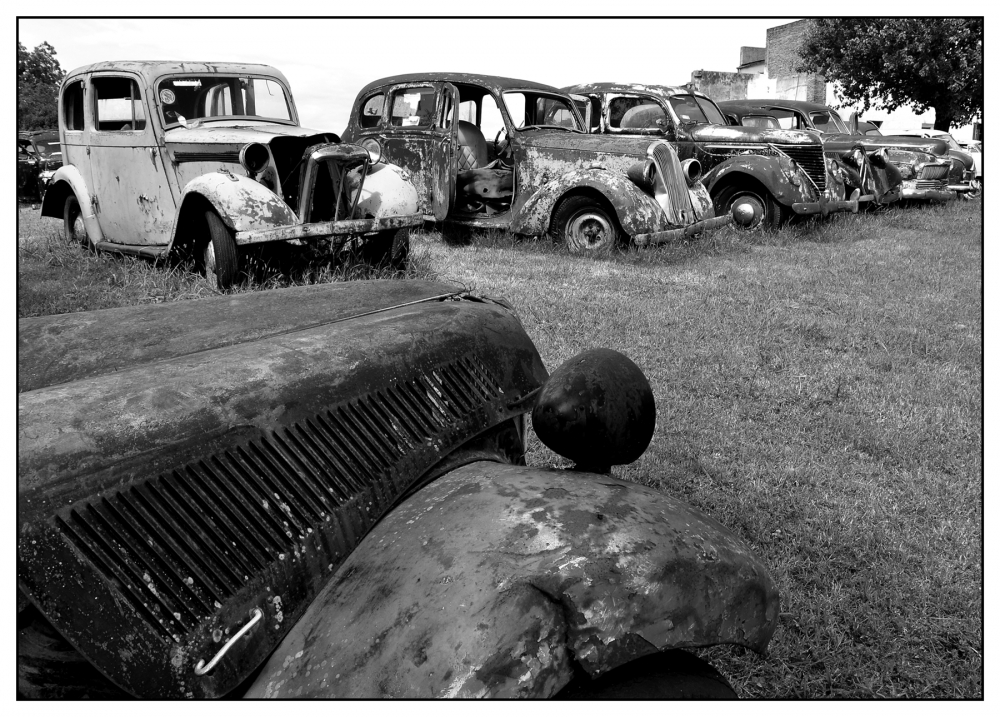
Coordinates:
[371,111]
[73,106]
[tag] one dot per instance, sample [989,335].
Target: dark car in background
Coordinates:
[922,164]
[761,176]
[491,152]
[38,157]
[966,174]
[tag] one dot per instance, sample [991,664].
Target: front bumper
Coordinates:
[910,190]
[681,233]
[321,230]
[828,206]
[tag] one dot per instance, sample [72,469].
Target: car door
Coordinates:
[135,203]
[419,132]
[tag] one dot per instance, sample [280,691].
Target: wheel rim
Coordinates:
[747,210]
[589,230]
[78,228]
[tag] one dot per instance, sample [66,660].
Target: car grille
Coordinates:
[932,184]
[812,161]
[934,171]
[192,550]
[675,185]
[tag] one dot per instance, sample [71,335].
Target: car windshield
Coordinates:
[533,110]
[950,140]
[696,109]
[828,121]
[209,97]
[760,121]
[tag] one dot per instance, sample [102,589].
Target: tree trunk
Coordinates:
[942,119]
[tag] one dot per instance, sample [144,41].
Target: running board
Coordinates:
[150,252]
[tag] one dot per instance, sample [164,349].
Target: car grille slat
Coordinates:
[934,172]
[192,548]
[811,159]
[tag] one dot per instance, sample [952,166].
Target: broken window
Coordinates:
[371,112]
[118,105]
[413,107]
[73,106]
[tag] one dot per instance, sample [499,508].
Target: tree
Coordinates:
[38,79]
[928,63]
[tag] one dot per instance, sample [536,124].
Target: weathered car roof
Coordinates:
[491,82]
[746,105]
[150,70]
[662,91]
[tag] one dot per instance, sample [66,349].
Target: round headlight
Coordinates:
[374,149]
[254,157]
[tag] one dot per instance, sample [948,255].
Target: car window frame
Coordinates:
[289,100]
[91,122]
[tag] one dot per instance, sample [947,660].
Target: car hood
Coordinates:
[933,147]
[602,143]
[752,135]
[235,133]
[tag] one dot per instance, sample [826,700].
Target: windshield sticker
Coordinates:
[167,97]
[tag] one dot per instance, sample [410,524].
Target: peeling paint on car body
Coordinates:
[550,571]
[155,181]
[544,162]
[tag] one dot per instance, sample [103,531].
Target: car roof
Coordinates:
[750,105]
[661,91]
[491,82]
[151,70]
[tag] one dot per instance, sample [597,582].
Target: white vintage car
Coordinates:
[204,159]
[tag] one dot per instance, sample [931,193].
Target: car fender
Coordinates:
[498,580]
[66,180]
[242,203]
[766,170]
[387,191]
[637,212]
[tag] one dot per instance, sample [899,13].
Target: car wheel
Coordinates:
[390,248]
[584,226]
[73,227]
[668,675]
[751,209]
[219,259]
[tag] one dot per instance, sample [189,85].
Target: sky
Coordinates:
[327,62]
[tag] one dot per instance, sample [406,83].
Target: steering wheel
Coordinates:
[500,147]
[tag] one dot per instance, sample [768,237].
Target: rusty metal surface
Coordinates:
[66,347]
[691,230]
[160,504]
[242,203]
[498,581]
[327,229]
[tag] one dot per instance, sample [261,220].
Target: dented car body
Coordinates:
[202,159]
[321,492]
[911,168]
[760,175]
[492,152]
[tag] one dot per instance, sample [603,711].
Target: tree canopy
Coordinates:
[38,78]
[927,63]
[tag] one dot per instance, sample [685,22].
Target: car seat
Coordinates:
[472,152]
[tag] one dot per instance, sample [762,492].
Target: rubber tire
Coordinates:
[574,209]
[772,214]
[73,228]
[667,675]
[390,248]
[219,258]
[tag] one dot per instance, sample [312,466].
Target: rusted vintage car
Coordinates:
[922,166]
[497,153]
[966,175]
[205,159]
[321,492]
[38,158]
[762,176]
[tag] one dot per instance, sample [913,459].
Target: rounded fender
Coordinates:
[638,212]
[387,192]
[772,172]
[68,179]
[242,203]
[503,581]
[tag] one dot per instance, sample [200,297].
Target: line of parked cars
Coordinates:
[322,491]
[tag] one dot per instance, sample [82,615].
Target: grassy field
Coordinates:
[818,390]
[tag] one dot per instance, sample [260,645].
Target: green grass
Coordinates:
[818,390]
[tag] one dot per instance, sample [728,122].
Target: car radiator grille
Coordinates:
[932,184]
[812,161]
[192,550]
[934,172]
[668,167]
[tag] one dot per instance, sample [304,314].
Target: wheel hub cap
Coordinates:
[588,230]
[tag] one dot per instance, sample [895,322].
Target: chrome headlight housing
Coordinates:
[374,149]
[254,157]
